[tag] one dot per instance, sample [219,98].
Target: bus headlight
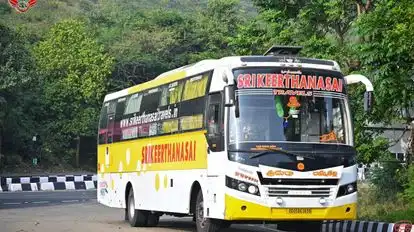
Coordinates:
[253,189]
[350,188]
[242,186]
[347,189]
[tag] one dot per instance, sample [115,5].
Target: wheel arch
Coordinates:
[195,188]
[127,189]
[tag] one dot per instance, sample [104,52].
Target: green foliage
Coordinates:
[386,55]
[17,99]
[73,61]
[75,71]
[391,176]
[15,60]
[372,208]
[409,191]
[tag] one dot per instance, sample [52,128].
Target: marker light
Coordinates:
[242,187]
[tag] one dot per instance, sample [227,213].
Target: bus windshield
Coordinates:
[274,115]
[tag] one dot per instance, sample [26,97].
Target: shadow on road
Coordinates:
[189,226]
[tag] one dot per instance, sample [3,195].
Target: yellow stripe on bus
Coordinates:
[157,82]
[170,152]
[252,211]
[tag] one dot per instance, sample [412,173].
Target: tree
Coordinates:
[75,69]
[387,56]
[15,72]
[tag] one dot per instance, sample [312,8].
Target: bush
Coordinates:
[389,179]
[409,190]
[371,208]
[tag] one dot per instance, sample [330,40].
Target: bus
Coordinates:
[241,139]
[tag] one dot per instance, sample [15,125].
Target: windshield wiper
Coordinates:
[270,150]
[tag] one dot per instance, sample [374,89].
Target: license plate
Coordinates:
[299,192]
[299,211]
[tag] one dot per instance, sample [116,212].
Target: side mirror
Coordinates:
[368,101]
[229,95]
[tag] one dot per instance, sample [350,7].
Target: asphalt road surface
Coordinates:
[74,211]
[34,199]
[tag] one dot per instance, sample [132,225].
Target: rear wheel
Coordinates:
[204,224]
[153,220]
[136,217]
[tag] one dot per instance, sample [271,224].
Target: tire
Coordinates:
[136,217]
[225,224]
[153,220]
[298,226]
[204,224]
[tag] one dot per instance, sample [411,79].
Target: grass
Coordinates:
[371,207]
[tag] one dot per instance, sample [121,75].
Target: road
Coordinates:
[34,199]
[74,211]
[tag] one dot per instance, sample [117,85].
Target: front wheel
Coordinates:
[204,224]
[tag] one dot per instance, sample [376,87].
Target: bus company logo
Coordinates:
[272,173]
[326,173]
[21,6]
[300,166]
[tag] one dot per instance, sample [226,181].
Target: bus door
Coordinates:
[215,132]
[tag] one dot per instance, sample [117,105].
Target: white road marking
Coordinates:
[69,201]
[12,203]
[40,202]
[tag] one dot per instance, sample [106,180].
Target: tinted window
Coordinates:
[192,107]
[151,100]
[171,93]
[133,104]
[195,87]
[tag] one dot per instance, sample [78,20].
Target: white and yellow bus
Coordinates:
[241,139]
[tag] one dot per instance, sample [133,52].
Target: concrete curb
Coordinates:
[50,186]
[48,183]
[357,226]
[45,179]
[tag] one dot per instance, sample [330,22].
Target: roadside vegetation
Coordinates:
[388,197]
[59,59]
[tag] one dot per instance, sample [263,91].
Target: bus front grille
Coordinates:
[300,191]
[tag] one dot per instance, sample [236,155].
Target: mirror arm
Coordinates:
[356,78]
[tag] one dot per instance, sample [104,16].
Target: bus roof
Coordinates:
[210,64]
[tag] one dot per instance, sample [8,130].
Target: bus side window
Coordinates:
[103,124]
[214,122]
[111,121]
[119,113]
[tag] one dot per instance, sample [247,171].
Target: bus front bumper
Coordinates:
[237,209]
